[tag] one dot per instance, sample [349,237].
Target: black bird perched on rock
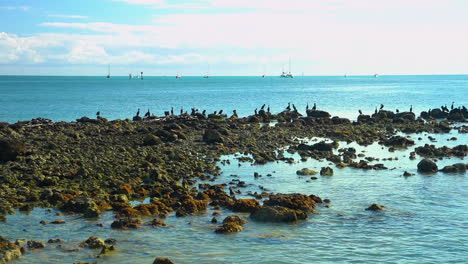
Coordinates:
[360,112]
[307,106]
[203,112]
[451,108]
[375,112]
[138,112]
[181,110]
[381,106]
[268,109]
[411,109]
[398,111]
[215,112]
[288,107]
[220,112]
[255,111]
[294,107]
[263,107]
[234,112]
[148,114]
[172,110]
[314,107]
[98,113]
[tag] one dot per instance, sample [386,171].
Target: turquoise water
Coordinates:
[68,98]
[426,220]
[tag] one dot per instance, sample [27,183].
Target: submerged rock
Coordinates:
[278,213]
[161,260]
[306,172]
[376,207]
[326,171]
[455,168]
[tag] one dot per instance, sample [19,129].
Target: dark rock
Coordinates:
[317,113]
[245,205]
[277,214]
[375,207]
[398,141]
[407,174]
[151,140]
[10,149]
[306,172]
[212,136]
[161,260]
[455,168]
[326,171]
[427,166]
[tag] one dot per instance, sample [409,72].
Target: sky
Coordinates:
[233,37]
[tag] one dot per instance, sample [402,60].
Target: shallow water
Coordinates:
[426,220]
[68,98]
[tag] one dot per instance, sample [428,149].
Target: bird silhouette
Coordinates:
[172,110]
[307,106]
[314,107]
[148,114]
[360,112]
[138,112]
[411,109]
[263,107]
[256,111]
[268,109]
[220,111]
[381,106]
[98,113]
[288,107]
[451,108]
[294,107]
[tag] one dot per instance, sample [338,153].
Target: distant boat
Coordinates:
[178,76]
[206,76]
[376,75]
[108,71]
[287,74]
[263,76]
[129,75]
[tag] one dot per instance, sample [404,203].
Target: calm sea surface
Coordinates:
[69,98]
[426,220]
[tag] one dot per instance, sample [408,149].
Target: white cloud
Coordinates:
[17,50]
[69,16]
[142,2]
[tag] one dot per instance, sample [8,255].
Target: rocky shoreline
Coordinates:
[92,166]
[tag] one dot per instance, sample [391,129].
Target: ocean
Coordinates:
[69,98]
[426,216]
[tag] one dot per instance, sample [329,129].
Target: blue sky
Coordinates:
[233,37]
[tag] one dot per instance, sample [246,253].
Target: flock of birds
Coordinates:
[289,107]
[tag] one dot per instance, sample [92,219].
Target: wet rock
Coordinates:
[151,140]
[398,141]
[36,244]
[306,172]
[10,148]
[126,223]
[235,219]
[157,223]
[229,228]
[427,166]
[326,171]
[317,114]
[245,205]
[408,174]
[58,222]
[214,220]
[55,240]
[161,260]
[294,201]
[8,251]
[455,168]
[375,207]
[277,214]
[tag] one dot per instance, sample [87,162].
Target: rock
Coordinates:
[306,172]
[157,222]
[407,174]
[277,214]
[212,136]
[245,205]
[10,149]
[151,140]
[398,141]
[137,118]
[235,219]
[326,171]
[161,260]
[126,223]
[56,240]
[455,168]
[96,243]
[214,220]
[8,251]
[317,113]
[294,201]
[364,118]
[58,222]
[36,244]
[427,166]
[230,227]
[375,207]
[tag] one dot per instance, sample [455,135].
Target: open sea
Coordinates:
[426,220]
[69,98]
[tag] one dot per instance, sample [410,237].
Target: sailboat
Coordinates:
[108,71]
[207,75]
[289,74]
[178,76]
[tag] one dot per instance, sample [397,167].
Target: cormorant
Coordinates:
[411,109]
[220,112]
[138,112]
[307,106]
[314,107]
[181,110]
[294,107]
[289,107]
[451,108]
[98,113]
[256,111]
[214,113]
[172,110]
[263,107]
[268,109]
[203,112]
[381,106]
[360,112]
[148,114]
[375,112]
[234,112]
[398,111]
